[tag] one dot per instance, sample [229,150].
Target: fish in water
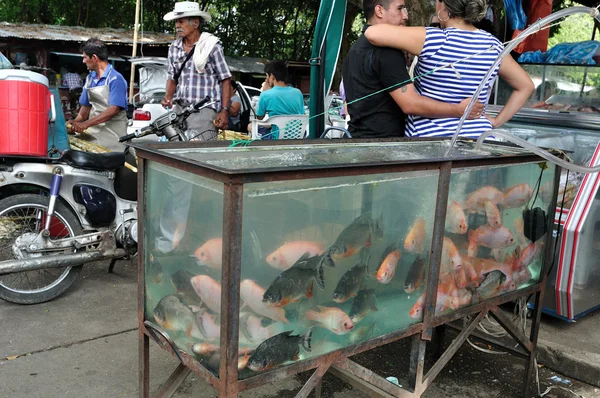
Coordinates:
[278,350]
[204,348]
[415,240]
[493,214]
[522,277]
[297,282]
[416,275]
[359,234]
[351,282]
[364,302]
[362,333]
[517,196]
[288,254]
[387,269]
[208,324]
[529,254]
[331,318]
[491,285]
[520,231]
[450,256]
[182,282]
[476,200]
[172,314]
[487,236]
[209,291]
[252,329]
[252,294]
[210,253]
[456,221]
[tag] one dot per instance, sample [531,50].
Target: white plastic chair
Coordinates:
[290,126]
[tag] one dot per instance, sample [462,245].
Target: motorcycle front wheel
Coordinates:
[22,217]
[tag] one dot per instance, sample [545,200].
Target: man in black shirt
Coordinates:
[375,73]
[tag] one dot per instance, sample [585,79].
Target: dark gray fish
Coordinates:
[279,349]
[491,284]
[297,282]
[359,234]
[351,282]
[416,275]
[172,314]
[181,281]
[364,302]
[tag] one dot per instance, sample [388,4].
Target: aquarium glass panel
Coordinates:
[336,261]
[182,239]
[495,232]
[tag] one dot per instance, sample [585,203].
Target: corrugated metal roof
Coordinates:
[80,34]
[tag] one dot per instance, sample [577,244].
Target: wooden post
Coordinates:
[134,52]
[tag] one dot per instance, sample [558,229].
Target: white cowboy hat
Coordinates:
[187,9]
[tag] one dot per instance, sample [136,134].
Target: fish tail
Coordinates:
[307,339]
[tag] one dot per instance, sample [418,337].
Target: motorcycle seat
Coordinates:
[94,161]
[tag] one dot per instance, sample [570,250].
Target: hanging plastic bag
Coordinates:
[515,14]
[4,62]
[534,57]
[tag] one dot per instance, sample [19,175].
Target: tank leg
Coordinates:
[111,266]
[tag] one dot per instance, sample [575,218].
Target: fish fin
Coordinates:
[471,235]
[195,308]
[309,292]
[374,306]
[326,260]
[319,277]
[296,355]
[307,339]
[244,326]
[243,305]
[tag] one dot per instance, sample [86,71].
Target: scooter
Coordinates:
[57,214]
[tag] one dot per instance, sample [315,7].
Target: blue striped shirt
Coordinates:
[443,47]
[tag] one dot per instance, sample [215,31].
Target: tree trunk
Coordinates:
[23,10]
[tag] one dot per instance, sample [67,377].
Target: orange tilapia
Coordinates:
[387,269]
[476,200]
[450,256]
[493,214]
[286,255]
[331,318]
[456,221]
[517,196]
[487,236]
[415,240]
[210,253]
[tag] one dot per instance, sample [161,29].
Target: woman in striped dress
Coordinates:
[467,54]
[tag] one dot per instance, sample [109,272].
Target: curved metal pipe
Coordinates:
[536,27]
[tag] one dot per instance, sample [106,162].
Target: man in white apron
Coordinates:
[104,97]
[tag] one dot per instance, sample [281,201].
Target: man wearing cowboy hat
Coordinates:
[191,79]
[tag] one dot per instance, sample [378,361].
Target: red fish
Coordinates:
[517,196]
[210,253]
[331,318]
[476,200]
[493,238]
[450,256]
[387,269]
[285,256]
[493,214]
[415,240]
[456,221]
[529,254]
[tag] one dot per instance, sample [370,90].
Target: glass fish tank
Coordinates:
[335,241]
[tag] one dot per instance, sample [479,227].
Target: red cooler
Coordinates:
[24,104]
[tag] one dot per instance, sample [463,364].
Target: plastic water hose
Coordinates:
[536,27]
[535,149]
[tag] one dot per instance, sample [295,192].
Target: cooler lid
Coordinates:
[23,75]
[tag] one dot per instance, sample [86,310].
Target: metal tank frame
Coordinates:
[337,362]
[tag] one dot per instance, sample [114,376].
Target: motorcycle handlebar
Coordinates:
[199,104]
[127,137]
